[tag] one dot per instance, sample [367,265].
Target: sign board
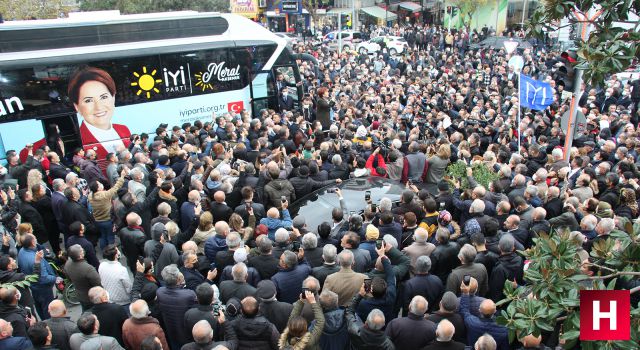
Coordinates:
[247,8]
[290,6]
[517,62]
[580,123]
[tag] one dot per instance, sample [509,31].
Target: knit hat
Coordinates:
[372,232]
[299,222]
[603,210]
[266,290]
[261,229]
[148,292]
[157,230]
[444,218]
[240,255]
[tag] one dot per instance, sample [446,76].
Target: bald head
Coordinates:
[273,213]
[194,196]
[531,341]
[519,180]
[445,331]
[57,308]
[5,329]
[190,246]
[133,219]
[487,308]
[139,309]
[202,332]
[222,228]
[219,197]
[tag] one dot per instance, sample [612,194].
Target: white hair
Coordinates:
[385,204]
[477,206]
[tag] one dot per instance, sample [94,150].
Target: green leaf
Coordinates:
[570,335]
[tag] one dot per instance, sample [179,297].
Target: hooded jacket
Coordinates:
[335,335]
[275,190]
[256,333]
[17,316]
[361,337]
[213,245]
[509,267]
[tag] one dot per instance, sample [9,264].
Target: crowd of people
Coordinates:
[185,240]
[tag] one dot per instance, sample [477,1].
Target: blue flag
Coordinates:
[535,94]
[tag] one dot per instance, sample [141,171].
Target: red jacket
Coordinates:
[90,142]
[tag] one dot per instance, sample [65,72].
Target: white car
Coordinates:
[350,39]
[394,44]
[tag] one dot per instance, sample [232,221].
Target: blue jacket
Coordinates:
[213,245]
[386,303]
[274,224]
[26,260]
[15,343]
[335,335]
[289,282]
[187,213]
[370,246]
[394,229]
[476,326]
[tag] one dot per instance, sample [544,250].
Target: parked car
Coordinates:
[350,39]
[291,38]
[316,207]
[394,45]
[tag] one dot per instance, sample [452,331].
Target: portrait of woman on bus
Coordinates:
[93,93]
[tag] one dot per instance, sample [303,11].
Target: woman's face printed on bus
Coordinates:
[96,104]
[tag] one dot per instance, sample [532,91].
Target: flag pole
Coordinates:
[519,110]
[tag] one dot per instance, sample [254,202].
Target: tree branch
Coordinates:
[619,273]
[602,267]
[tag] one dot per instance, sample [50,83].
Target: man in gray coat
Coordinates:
[60,325]
[89,338]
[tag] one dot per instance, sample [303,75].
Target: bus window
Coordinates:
[289,80]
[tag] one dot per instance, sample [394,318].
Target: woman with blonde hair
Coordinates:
[34,176]
[236,224]
[204,231]
[438,165]
[24,229]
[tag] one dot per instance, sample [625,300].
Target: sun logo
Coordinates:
[201,83]
[146,82]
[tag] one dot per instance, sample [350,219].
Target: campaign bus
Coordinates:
[95,82]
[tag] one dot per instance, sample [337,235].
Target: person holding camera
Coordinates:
[297,334]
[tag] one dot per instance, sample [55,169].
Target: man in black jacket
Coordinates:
[132,239]
[203,311]
[413,331]
[254,331]
[508,268]
[31,215]
[74,211]
[219,209]
[370,334]
[329,265]
[111,316]
[14,314]
[60,325]
[265,263]
[304,185]
[275,311]
[445,256]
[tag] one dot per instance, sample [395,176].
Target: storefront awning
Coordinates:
[379,12]
[410,6]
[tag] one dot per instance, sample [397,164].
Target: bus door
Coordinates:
[68,130]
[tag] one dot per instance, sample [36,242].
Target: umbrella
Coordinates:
[497,42]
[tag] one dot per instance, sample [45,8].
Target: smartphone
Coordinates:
[466,280]
[367,196]
[367,285]
[295,246]
[212,266]
[28,309]
[331,190]
[303,296]
[283,199]
[379,243]
[373,207]
[141,259]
